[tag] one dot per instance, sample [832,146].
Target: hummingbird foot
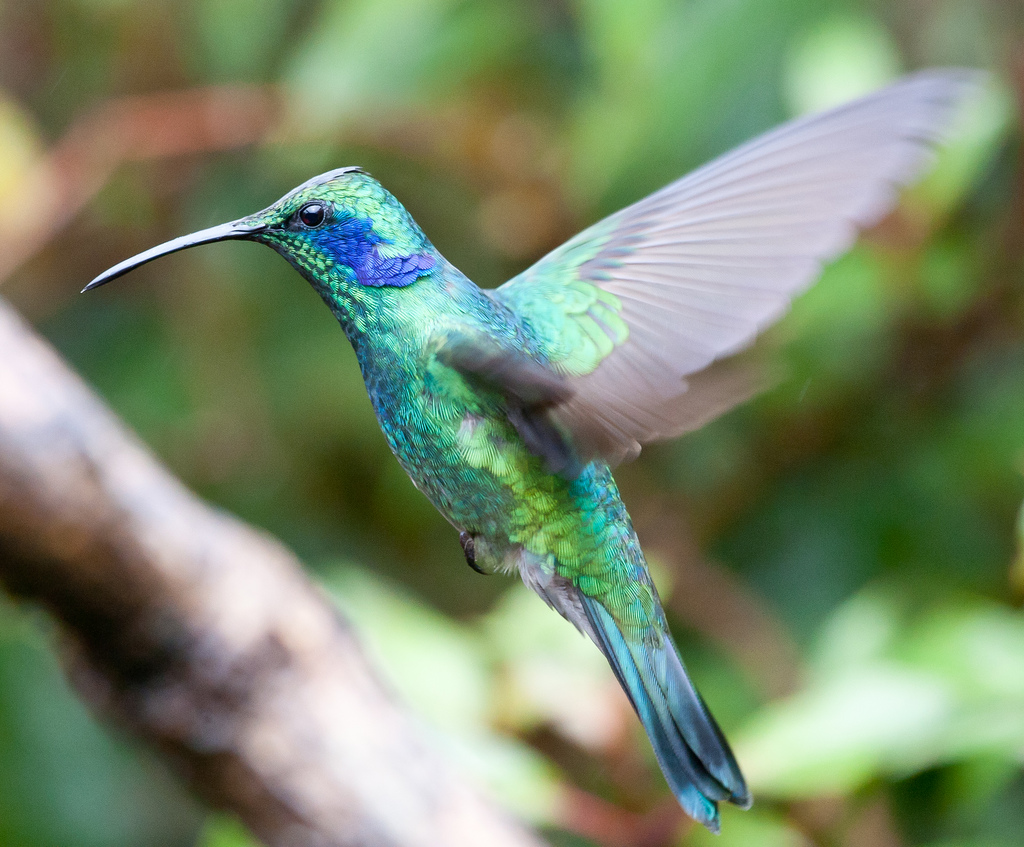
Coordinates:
[469,548]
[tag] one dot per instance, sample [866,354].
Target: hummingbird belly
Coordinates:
[475,468]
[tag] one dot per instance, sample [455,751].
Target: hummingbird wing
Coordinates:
[633,310]
[530,388]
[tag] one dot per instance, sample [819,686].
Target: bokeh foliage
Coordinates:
[852,616]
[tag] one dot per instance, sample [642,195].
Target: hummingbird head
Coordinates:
[340,229]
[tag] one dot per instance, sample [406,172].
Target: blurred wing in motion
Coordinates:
[634,308]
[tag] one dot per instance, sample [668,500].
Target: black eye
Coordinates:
[313,214]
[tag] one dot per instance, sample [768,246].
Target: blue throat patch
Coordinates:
[354,242]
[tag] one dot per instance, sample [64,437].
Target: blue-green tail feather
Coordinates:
[693,753]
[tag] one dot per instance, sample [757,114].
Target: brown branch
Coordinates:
[203,636]
[609,825]
[717,603]
[153,126]
[503,154]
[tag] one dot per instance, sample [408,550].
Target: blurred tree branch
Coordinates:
[67,176]
[203,636]
[127,129]
[717,603]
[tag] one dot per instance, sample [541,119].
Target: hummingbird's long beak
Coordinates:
[222,232]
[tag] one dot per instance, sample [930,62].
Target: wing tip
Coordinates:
[935,97]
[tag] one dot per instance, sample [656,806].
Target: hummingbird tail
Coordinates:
[693,753]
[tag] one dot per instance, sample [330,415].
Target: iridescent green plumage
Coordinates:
[507,408]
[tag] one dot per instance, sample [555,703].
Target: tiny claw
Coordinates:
[469,548]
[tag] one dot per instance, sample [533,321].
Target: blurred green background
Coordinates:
[838,557]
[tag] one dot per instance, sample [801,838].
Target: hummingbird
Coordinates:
[509,407]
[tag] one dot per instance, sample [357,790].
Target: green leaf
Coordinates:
[892,694]
[224,831]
